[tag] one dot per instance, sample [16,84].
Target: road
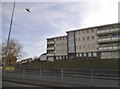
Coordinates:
[67,81]
[12,84]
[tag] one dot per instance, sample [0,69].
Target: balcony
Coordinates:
[50,48]
[102,32]
[50,42]
[50,54]
[110,48]
[108,40]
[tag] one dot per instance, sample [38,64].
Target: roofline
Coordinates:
[93,27]
[56,37]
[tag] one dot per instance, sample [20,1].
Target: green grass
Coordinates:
[83,63]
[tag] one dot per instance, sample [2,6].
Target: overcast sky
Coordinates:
[51,19]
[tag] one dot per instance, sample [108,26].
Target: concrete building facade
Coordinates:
[82,43]
[93,42]
[57,48]
[109,41]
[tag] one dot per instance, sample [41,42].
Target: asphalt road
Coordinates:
[6,84]
[75,81]
[12,84]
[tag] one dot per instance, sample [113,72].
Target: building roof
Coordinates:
[93,27]
[57,37]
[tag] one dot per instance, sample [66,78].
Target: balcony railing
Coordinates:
[50,48]
[116,30]
[108,39]
[50,42]
[110,48]
[50,54]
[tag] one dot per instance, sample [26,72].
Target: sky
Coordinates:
[51,19]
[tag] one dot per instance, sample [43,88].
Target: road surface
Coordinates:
[12,84]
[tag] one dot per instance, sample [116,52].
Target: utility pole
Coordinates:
[6,55]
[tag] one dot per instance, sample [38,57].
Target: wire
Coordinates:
[21,5]
[27,9]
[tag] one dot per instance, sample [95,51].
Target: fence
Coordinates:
[67,74]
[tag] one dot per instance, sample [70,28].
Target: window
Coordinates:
[88,46]
[80,54]
[93,37]
[94,54]
[83,38]
[84,54]
[60,57]
[79,39]
[60,44]
[87,31]
[57,58]
[78,32]
[59,38]
[83,31]
[76,47]
[89,54]
[77,55]
[88,38]
[80,47]
[92,30]
[94,46]
[83,46]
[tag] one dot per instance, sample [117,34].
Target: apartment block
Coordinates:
[82,43]
[57,48]
[109,41]
[93,42]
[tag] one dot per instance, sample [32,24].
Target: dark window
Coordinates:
[92,30]
[87,31]
[88,38]
[83,38]
[93,37]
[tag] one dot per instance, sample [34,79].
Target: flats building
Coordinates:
[57,48]
[109,41]
[82,43]
[93,42]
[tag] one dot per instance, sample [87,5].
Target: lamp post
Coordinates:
[6,54]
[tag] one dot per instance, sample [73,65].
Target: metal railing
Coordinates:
[70,72]
[67,76]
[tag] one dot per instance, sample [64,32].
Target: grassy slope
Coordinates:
[83,63]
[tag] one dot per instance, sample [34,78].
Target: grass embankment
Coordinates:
[83,63]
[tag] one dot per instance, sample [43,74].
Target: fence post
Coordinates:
[62,74]
[23,72]
[91,71]
[40,73]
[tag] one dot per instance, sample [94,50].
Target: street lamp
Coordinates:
[6,54]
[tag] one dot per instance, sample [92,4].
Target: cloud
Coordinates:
[106,13]
[51,19]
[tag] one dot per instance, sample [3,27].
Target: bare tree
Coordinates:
[13,52]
